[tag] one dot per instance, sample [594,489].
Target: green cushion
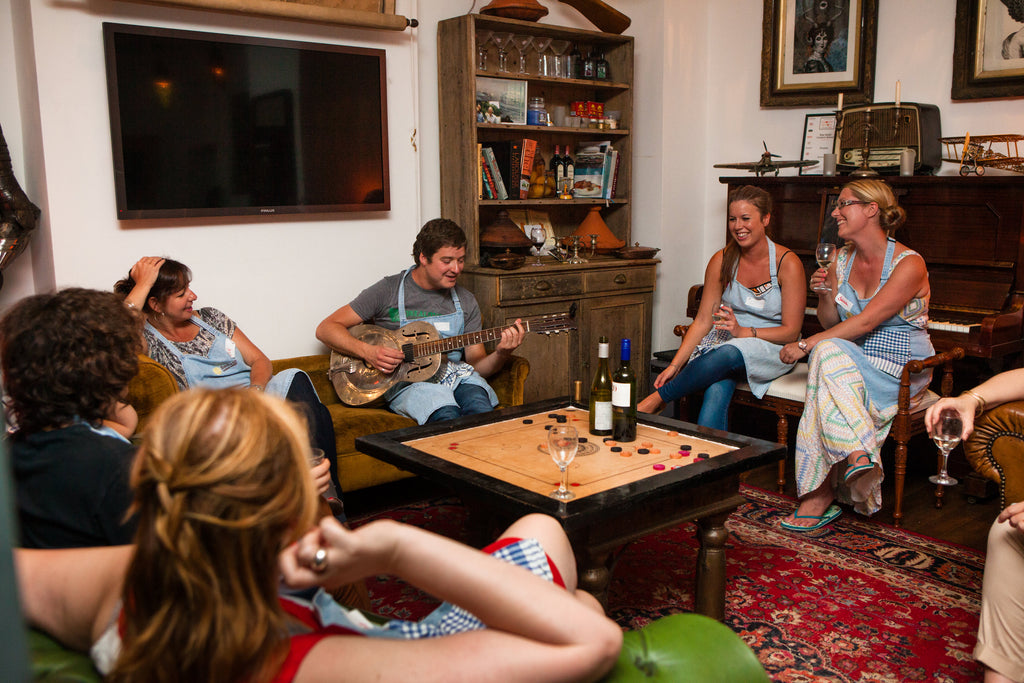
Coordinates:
[54,663]
[685,647]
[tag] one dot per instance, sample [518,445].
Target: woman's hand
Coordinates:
[322,476]
[666,375]
[724,319]
[348,555]
[792,352]
[1014,514]
[819,278]
[146,270]
[964,405]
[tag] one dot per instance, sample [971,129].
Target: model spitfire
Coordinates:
[767,165]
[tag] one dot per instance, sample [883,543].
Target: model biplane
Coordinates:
[973,155]
[767,164]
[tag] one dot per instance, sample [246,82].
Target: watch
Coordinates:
[803,345]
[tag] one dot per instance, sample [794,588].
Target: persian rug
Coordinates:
[855,601]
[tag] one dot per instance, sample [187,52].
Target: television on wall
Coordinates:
[206,124]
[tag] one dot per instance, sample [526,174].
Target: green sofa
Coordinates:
[153,384]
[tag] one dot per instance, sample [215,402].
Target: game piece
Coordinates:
[554,416]
[686,447]
[675,456]
[547,426]
[643,451]
[659,466]
[626,454]
[453,443]
[527,421]
[582,439]
[656,451]
[673,433]
[616,449]
[646,444]
[703,456]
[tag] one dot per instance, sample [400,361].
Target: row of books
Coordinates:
[505,168]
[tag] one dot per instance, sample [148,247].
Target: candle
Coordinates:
[897,94]
[839,104]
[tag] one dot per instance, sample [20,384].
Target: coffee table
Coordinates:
[498,465]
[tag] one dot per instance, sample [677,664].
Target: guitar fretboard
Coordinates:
[459,341]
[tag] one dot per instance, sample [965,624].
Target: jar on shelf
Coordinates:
[536,114]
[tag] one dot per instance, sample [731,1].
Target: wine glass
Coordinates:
[538,236]
[559,47]
[544,63]
[824,254]
[562,444]
[946,437]
[502,40]
[523,43]
[482,38]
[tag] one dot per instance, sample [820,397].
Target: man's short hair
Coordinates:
[437,234]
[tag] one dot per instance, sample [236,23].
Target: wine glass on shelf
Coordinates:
[522,43]
[482,38]
[946,437]
[824,254]
[501,40]
[563,441]
[559,47]
[538,236]
[544,60]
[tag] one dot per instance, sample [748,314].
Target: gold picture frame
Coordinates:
[988,51]
[811,52]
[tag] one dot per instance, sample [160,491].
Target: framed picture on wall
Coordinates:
[812,51]
[988,49]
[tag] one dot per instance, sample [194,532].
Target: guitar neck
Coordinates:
[460,341]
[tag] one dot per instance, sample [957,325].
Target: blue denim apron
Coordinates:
[224,366]
[419,400]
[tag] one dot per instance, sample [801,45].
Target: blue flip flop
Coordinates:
[830,516]
[853,470]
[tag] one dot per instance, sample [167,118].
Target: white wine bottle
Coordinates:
[624,398]
[601,393]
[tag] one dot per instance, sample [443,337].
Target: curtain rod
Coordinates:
[302,10]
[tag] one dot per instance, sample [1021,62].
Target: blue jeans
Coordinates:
[472,400]
[716,372]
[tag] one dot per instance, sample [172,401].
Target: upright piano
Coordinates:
[970,231]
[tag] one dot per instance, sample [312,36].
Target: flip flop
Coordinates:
[854,470]
[830,516]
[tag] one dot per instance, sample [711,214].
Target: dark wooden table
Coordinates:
[494,462]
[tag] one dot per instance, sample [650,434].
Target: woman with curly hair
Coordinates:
[67,359]
[227,509]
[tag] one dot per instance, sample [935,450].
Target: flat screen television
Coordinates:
[207,124]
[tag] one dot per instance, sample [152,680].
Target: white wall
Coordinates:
[696,104]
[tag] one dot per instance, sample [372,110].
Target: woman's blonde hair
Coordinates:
[222,485]
[890,214]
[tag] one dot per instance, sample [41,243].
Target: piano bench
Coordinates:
[785,398]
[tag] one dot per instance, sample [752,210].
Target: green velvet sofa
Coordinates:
[153,384]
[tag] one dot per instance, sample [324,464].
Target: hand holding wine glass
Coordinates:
[563,441]
[946,436]
[824,254]
[538,236]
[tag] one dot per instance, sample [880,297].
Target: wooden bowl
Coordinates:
[636,251]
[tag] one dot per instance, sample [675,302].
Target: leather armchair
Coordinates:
[996,449]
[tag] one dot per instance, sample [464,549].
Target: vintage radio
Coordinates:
[886,130]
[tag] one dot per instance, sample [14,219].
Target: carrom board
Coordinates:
[515,451]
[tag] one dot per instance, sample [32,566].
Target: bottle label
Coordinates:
[621,397]
[602,415]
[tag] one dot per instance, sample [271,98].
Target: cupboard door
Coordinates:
[551,355]
[616,317]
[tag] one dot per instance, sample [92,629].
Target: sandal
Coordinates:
[854,470]
[828,517]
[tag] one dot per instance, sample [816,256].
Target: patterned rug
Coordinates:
[855,601]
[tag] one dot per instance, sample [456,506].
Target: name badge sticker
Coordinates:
[754,302]
[229,346]
[844,302]
[441,326]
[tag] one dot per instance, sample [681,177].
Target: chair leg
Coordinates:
[782,437]
[900,479]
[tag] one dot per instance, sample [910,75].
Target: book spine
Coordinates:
[492,167]
[529,151]
[615,176]
[606,173]
[479,172]
[515,165]
[489,186]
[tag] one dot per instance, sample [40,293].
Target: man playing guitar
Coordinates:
[426,291]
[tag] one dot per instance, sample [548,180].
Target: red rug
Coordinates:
[855,601]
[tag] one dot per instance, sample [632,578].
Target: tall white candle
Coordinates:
[897,94]
[839,104]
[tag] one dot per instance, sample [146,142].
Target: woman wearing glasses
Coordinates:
[874,324]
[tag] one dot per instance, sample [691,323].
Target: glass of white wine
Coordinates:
[563,441]
[946,437]
[824,254]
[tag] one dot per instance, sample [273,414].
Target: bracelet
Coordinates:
[753,332]
[130,305]
[980,408]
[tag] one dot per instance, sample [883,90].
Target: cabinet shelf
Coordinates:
[518,128]
[588,83]
[551,201]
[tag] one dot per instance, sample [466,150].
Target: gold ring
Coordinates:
[320,560]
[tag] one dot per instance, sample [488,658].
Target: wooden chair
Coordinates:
[785,398]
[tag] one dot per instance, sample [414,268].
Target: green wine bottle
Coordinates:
[601,393]
[624,398]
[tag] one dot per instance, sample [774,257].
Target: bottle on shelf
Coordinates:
[601,393]
[624,398]
[601,70]
[556,162]
[574,62]
[566,180]
[589,64]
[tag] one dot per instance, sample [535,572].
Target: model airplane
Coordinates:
[766,165]
[973,157]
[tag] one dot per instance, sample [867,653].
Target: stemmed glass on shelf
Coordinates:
[523,43]
[482,38]
[563,441]
[824,254]
[544,60]
[559,47]
[946,436]
[502,40]
[538,236]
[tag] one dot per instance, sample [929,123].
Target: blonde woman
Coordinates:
[226,509]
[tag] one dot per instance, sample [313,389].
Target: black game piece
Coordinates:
[616,449]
